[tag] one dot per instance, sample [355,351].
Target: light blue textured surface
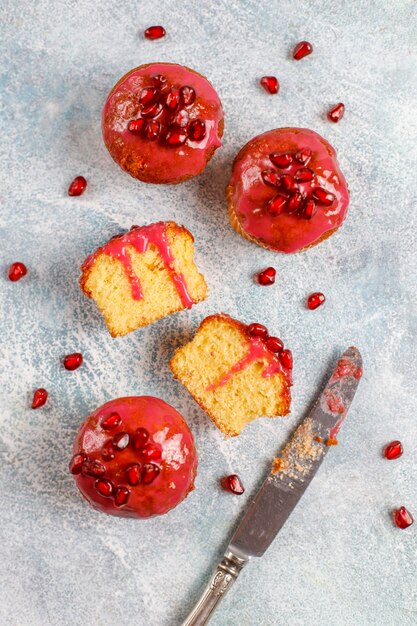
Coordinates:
[339,561]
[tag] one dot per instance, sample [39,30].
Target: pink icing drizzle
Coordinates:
[140,238]
[257,352]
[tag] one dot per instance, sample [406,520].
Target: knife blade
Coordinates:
[290,475]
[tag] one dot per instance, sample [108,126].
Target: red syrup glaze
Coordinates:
[345,367]
[141,238]
[305,209]
[130,484]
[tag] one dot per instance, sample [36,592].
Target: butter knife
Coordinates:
[290,475]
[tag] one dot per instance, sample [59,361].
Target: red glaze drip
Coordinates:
[251,199]
[140,239]
[346,367]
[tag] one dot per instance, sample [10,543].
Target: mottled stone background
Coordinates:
[339,560]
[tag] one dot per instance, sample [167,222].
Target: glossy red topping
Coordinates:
[39,398]
[403,518]
[287,191]
[315,300]
[78,186]
[336,113]
[153,464]
[162,122]
[233,484]
[16,271]
[301,50]
[393,450]
[155,32]
[270,84]
[267,276]
[73,361]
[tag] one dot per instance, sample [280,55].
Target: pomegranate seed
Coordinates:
[270,84]
[107,451]
[336,113]
[267,276]
[121,496]
[285,356]
[188,95]
[403,518]
[276,205]
[288,183]
[197,130]
[160,81]
[152,110]
[233,484]
[258,330]
[172,99]
[176,136]
[73,361]
[315,300]
[93,468]
[133,474]
[152,130]
[303,156]
[77,462]
[104,487]
[281,160]
[39,398]
[274,344]
[148,95]
[270,177]
[295,202]
[121,441]
[16,271]
[180,118]
[155,32]
[301,50]
[78,186]
[136,126]
[151,452]
[393,450]
[304,175]
[149,473]
[140,438]
[323,196]
[112,421]
[310,209]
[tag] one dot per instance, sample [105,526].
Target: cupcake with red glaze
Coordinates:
[162,123]
[134,457]
[287,192]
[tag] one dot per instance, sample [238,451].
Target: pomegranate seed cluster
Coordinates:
[273,344]
[143,472]
[296,185]
[165,114]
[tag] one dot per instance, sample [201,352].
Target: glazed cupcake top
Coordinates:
[287,190]
[161,122]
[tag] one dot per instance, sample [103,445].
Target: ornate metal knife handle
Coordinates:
[223,578]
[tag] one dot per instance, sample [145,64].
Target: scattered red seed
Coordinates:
[152,130]
[140,438]
[288,183]
[393,450]
[304,175]
[111,421]
[304,156]
[274,344]
[172,99]
[197,130]
[155,32]
[276,205]
[310,209]
[39,398]
[104,487]
[121,496]
[16,271]
[285,356]
[270,177]
[77,462]
[78,186]
[331,441]
[295,202]
[323,196]
[148,95]
[301,50]
[281,160]
[403,518]
[133,474]
[176,136]
[107,451]
[73,361]
[233,484]
[152,110]
[150,452]
[336,113]
[149,473]
[121,441]
[136,126]
[315,300]
[270,84]
[180,118]
[93,468]
[188,95]
[267,276]
[258,330]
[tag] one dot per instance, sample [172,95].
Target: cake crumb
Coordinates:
[278,465]
[331,441]
[299,454]
[318,439]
